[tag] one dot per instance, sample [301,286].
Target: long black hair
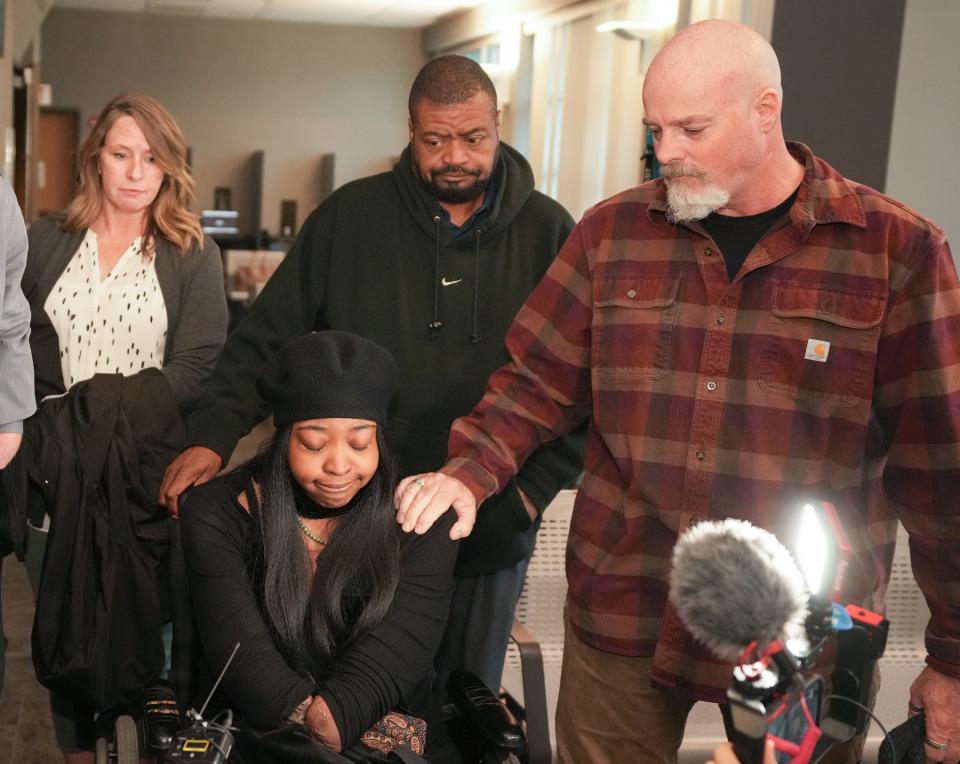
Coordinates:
[314,616]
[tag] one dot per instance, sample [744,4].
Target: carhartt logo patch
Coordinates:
[817,350]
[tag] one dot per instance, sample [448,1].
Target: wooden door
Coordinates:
[57,171]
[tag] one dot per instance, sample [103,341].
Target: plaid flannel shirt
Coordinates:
[828,369]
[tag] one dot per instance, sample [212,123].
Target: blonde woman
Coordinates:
[123,283]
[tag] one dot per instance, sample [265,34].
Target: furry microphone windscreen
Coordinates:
[733,583]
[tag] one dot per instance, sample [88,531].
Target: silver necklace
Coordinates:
[310,534]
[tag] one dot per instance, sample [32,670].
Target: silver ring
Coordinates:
[934,743]
[913,708]
[419,482]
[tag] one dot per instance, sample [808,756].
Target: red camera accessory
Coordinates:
[825,545]
[771,699]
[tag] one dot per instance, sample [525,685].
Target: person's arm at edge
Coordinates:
[17,400]
[918,408]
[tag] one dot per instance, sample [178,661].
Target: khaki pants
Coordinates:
[609,712]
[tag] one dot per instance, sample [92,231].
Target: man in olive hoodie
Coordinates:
[432,261]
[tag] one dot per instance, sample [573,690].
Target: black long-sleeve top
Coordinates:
[385,668]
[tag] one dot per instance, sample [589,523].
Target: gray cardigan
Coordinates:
[16,381]
[193,292]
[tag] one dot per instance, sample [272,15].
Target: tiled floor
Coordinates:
[26,732]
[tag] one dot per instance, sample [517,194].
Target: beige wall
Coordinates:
[296,91]
[601,135]
[924,142]
[6,73]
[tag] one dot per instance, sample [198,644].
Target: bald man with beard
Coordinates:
[747,334]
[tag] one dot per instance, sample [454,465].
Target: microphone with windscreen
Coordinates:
[734,584]
[742,594]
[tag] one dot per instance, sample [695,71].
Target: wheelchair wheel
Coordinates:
[102,751]
[126,746]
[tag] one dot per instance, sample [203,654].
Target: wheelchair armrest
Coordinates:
[534,694]
[484,715]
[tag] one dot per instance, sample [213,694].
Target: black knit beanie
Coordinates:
[329,375]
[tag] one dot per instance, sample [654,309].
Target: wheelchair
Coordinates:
[478,724]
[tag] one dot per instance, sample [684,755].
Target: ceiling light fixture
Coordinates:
[630,30]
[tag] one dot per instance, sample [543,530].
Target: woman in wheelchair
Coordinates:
[297,557]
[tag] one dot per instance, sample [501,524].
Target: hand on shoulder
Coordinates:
[195,465]
[422,499]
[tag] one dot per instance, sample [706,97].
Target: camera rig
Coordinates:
[778,690]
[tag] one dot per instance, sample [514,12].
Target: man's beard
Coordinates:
[684,204]
[459,194]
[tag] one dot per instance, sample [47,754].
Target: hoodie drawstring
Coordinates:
[475,335]
[434,326]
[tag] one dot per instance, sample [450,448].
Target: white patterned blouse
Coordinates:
[117,325]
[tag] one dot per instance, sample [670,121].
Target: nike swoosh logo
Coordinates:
[449,283]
